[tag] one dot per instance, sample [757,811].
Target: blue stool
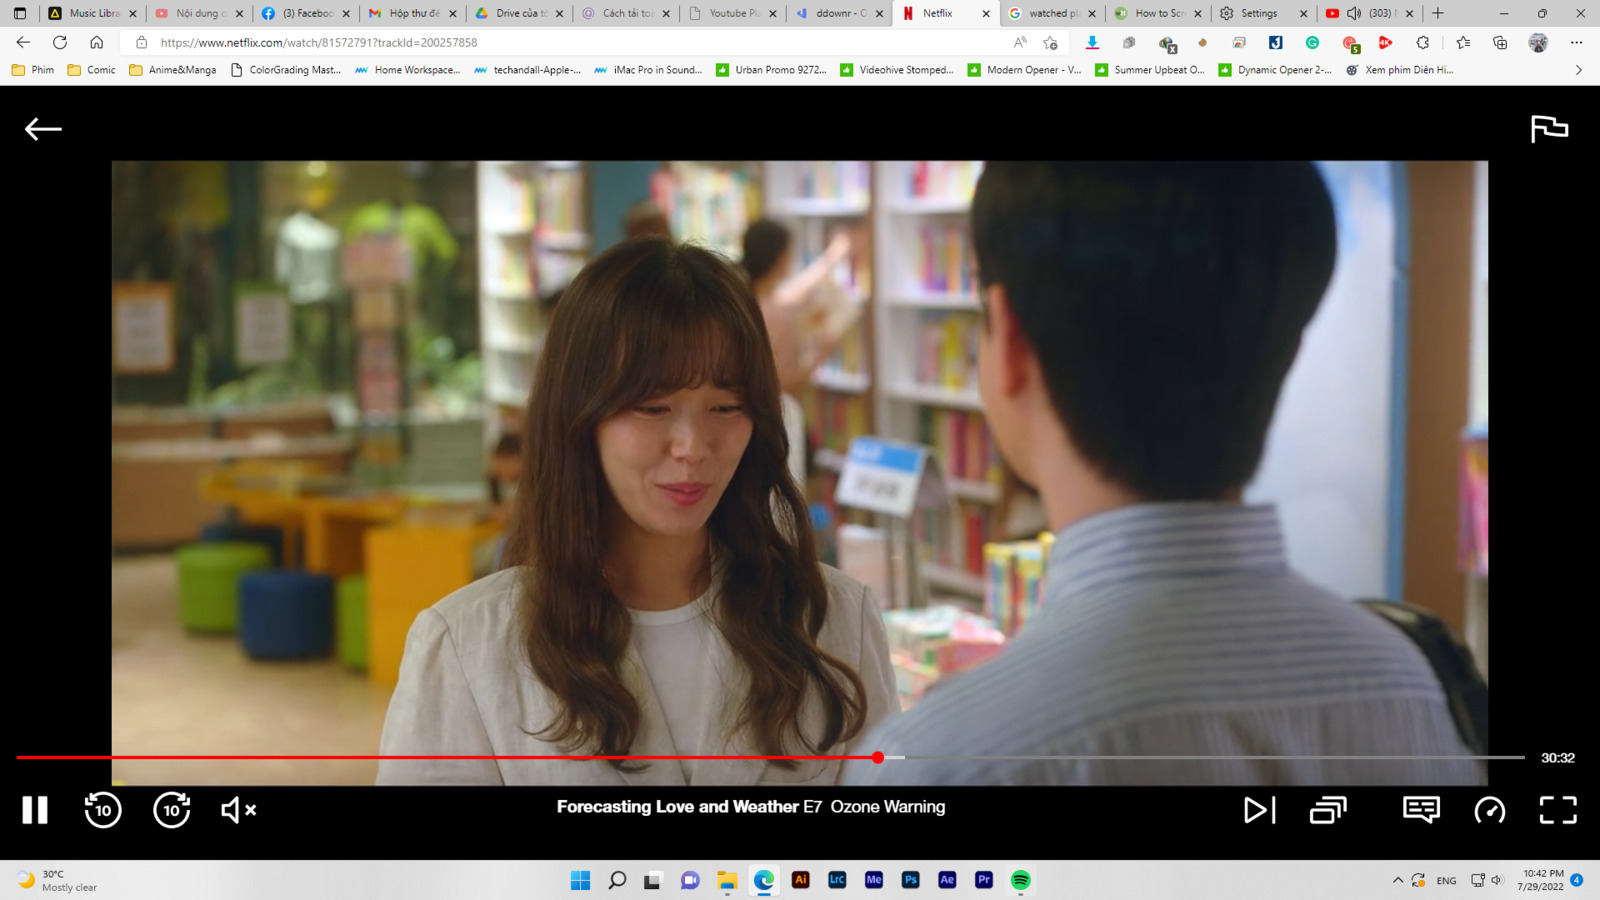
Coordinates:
[234,532]
[286,615]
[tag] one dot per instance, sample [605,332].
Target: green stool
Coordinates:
[208,582]
[351,603]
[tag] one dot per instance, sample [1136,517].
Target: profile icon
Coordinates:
[1538,43]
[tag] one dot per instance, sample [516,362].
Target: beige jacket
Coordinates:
[465,689]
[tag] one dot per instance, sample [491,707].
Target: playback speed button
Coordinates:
[1490,809]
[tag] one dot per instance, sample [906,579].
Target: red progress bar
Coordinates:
[876,757]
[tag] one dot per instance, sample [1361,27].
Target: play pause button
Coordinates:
[1254,809]
[35,810]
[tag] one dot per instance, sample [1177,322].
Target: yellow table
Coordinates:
[336,528]
[410,567]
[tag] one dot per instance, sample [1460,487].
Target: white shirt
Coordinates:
[673,644]
[466,690]
[1179,630]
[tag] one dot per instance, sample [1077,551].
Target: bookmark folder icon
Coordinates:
[74,70]
[17,69]
[135,69]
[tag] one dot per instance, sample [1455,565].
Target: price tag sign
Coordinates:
[888,477]
[264,331]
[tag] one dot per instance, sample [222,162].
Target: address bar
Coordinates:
[677,41]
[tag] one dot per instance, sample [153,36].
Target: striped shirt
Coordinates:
[1179,630]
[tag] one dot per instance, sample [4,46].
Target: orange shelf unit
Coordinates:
[410,567]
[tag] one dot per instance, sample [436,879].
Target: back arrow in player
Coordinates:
[21,41]
[35,126]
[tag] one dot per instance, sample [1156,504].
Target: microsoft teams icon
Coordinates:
[1275,42]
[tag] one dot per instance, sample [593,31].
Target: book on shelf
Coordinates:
[561,202]
[960,440]
[705,203]
[511,204]
[849,358]
[846,182]
[1014,581]
[954,538]
[1475,504]
[833,419]
[947,347]
[944,259]
[944,180]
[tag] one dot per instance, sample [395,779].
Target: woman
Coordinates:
[664,596]
[806,316]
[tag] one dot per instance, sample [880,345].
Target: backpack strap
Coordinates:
[1452,662]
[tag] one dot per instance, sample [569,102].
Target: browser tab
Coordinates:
[844,14]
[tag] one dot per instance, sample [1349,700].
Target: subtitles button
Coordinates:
[1424,808]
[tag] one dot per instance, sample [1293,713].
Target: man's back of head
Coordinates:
[1165,304]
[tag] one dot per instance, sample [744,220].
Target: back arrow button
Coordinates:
[35,126]
[21,41]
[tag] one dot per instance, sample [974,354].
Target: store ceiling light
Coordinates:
[317,169]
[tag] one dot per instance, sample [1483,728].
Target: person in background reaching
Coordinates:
[1139,320]
[801,317]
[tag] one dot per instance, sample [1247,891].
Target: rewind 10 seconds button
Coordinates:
[1490,809]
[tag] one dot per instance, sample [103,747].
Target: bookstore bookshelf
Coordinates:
[535,238]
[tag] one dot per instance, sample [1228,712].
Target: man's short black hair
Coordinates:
[1165,302]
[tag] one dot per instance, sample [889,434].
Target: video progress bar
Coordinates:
[1200,758]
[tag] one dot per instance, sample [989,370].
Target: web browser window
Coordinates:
[750,450]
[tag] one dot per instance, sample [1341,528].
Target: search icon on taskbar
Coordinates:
[618,879]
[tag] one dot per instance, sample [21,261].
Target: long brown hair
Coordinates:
[646,318]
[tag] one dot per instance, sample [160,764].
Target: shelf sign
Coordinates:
[264,335]
[890,478]
[143,328]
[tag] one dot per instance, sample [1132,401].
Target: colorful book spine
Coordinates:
[947,350]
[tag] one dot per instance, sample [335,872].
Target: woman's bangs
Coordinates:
[682,351]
